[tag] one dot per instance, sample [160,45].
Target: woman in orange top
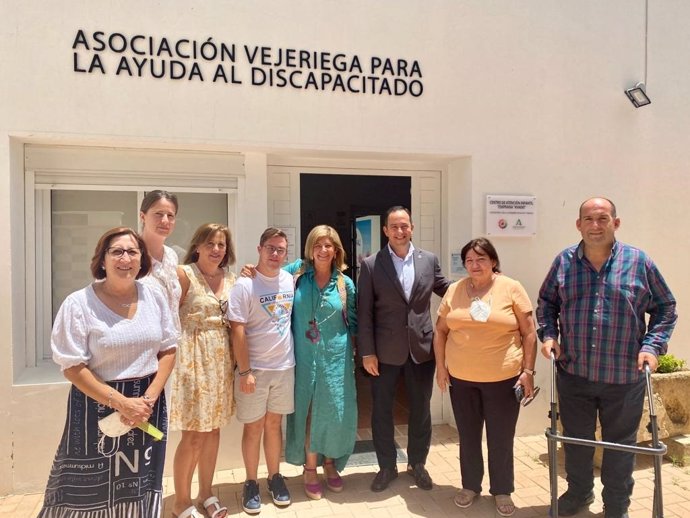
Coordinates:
[485,346]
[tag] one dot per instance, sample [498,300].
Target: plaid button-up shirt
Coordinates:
[600,315]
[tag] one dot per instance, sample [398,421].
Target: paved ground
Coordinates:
[402,499]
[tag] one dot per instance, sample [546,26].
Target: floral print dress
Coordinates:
[202,395]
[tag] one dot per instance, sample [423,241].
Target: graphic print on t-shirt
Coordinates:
[279,308]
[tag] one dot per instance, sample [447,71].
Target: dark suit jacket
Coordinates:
[390,326]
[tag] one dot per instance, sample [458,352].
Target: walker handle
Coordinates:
[552,354]
[658,502]
[650,392]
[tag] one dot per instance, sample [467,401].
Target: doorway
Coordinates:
[341,200]
[349,203]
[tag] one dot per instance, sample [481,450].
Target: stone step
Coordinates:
[678,450]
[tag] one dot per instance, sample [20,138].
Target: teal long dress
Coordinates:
[324,371]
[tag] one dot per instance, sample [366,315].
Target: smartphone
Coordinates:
[519,393]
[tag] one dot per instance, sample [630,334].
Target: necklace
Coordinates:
[209,275]
[488,287]
[313,334]
[117,299]
[321,276]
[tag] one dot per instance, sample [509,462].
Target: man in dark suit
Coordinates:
[395,338]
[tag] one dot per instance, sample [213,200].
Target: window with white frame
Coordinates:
[73,195]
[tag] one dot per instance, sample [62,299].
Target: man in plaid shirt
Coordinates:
[592,313]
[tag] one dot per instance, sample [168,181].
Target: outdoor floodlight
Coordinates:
[638,96]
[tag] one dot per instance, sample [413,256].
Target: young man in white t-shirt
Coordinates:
[260,310]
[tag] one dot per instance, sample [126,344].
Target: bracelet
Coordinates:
[110,399]
[247,372]
[529,371]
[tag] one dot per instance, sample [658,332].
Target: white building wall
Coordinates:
[519,98]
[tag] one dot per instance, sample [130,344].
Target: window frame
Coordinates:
[221,174]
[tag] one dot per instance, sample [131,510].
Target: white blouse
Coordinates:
[164,274]
[113,347]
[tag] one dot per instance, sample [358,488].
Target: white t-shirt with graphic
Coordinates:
[264,305]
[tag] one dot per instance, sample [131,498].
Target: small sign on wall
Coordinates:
[508,215]
[457,269]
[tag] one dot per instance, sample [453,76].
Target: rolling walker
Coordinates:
[657,449]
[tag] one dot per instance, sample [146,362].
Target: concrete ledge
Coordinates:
[672,406]
[678,450]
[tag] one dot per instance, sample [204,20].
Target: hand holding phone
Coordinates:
[520,395]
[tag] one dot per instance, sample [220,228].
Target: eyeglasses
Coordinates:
[117,253]
[275,250]
[223,305]
[482,260]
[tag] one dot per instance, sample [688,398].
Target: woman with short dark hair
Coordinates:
[115,341]
[485,346]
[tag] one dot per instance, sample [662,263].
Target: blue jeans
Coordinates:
[619,408]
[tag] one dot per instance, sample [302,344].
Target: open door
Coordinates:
[348,201]
[366,240]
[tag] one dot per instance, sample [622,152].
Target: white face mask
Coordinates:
[480,310]
[112,426]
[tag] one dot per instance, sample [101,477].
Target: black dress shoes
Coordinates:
[421,476]
[569,504]
[383,479]
[610,512]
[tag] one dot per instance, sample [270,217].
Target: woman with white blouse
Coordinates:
[115,341]
[158,214]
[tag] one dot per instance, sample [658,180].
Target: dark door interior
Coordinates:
[337,200]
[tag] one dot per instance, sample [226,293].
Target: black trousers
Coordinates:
[619,407]
[492,404]
[419,383]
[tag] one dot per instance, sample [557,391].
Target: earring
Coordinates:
[102,267]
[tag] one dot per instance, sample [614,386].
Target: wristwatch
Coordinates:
[529,371]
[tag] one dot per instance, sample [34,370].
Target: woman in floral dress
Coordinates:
[203,378]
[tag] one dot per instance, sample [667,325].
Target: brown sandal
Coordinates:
[465,498]
[504,505]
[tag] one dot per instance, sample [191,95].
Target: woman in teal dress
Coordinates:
[323,427]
